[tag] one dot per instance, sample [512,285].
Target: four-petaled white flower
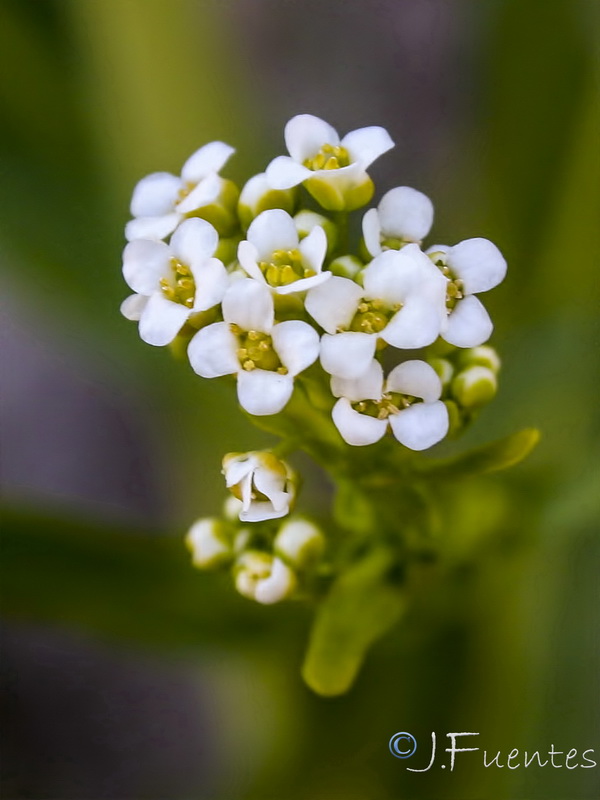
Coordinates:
[333,169]
[408,401]
[266,356]
[403,215]
[172,281]
[161,200]
[401,302]
[472,266]
[273,253]
[262,482]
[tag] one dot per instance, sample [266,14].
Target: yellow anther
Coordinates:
[249,365]
[254,335]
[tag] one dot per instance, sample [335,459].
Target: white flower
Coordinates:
[403,215]
[262,482]
[401,302]
[172,281]
[333,170]
[265,356]
[208,543]
[257,196]
[367,406]
[261,577]
[161,200]
[273,254]
[472,266]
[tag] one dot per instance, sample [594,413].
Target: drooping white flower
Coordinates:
[208,543]
[262,482]
[472,266]
[273,253]
[261,577]
[333,170]
[408,401]
[172,281]
[401,301]
[161,200]
[403,215]
[266,356]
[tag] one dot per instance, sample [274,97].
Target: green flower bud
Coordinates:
[299,543]
[444,370]
[483,356]
[306,220]
[257,196]
[455,418]
[346,267]
[222,212]
[474,386]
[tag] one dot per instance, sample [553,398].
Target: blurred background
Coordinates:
[125,673]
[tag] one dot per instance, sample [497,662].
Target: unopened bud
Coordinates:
[346,266]
[482,356]
[474,387]
[443,368]
[257,196]
[299,543]
[265,484]
[261,577]
[208,543]
[306,220]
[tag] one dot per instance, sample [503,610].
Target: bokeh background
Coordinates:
[126,674]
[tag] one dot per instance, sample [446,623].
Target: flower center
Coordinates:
[390,403]
[285,267]
[330,156]
[454,287]
[256,351]
[372,316]
[179,286]
[184,191]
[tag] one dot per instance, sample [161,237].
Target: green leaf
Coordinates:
[363,604]
[492,457]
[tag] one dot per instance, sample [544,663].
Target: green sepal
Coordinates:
[362,605]
[501,454]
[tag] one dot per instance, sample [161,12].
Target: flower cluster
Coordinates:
[270,283]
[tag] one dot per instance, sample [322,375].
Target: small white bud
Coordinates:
[299,542]
[264,483]
[474,386]
[208,543]
[261,577]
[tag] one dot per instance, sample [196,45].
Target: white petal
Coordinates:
[151,227]
[371,228]
[272,230]
[145,262]
[280,583]
[261,392]
[211,280]
[161,320]
[438,248]
[368,386]
[260,511]
[478,263]
[305,135]
[417,324]
[394,274]
[155,195]
[303,284]
[366,144]
[468,324]
[237,470]
[203,194]
[357,429]
[254,189]
[347,355]
[194,240]
[296,344]
[283,173]
[249,304]
[132,306]
[271,486]
[210,158]
[334,304]
[213,351]
[416,378]
[313,248]
[420,426]
[248,257]
[406,213]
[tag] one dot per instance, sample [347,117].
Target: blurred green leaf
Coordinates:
[362,606]
[492,457]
